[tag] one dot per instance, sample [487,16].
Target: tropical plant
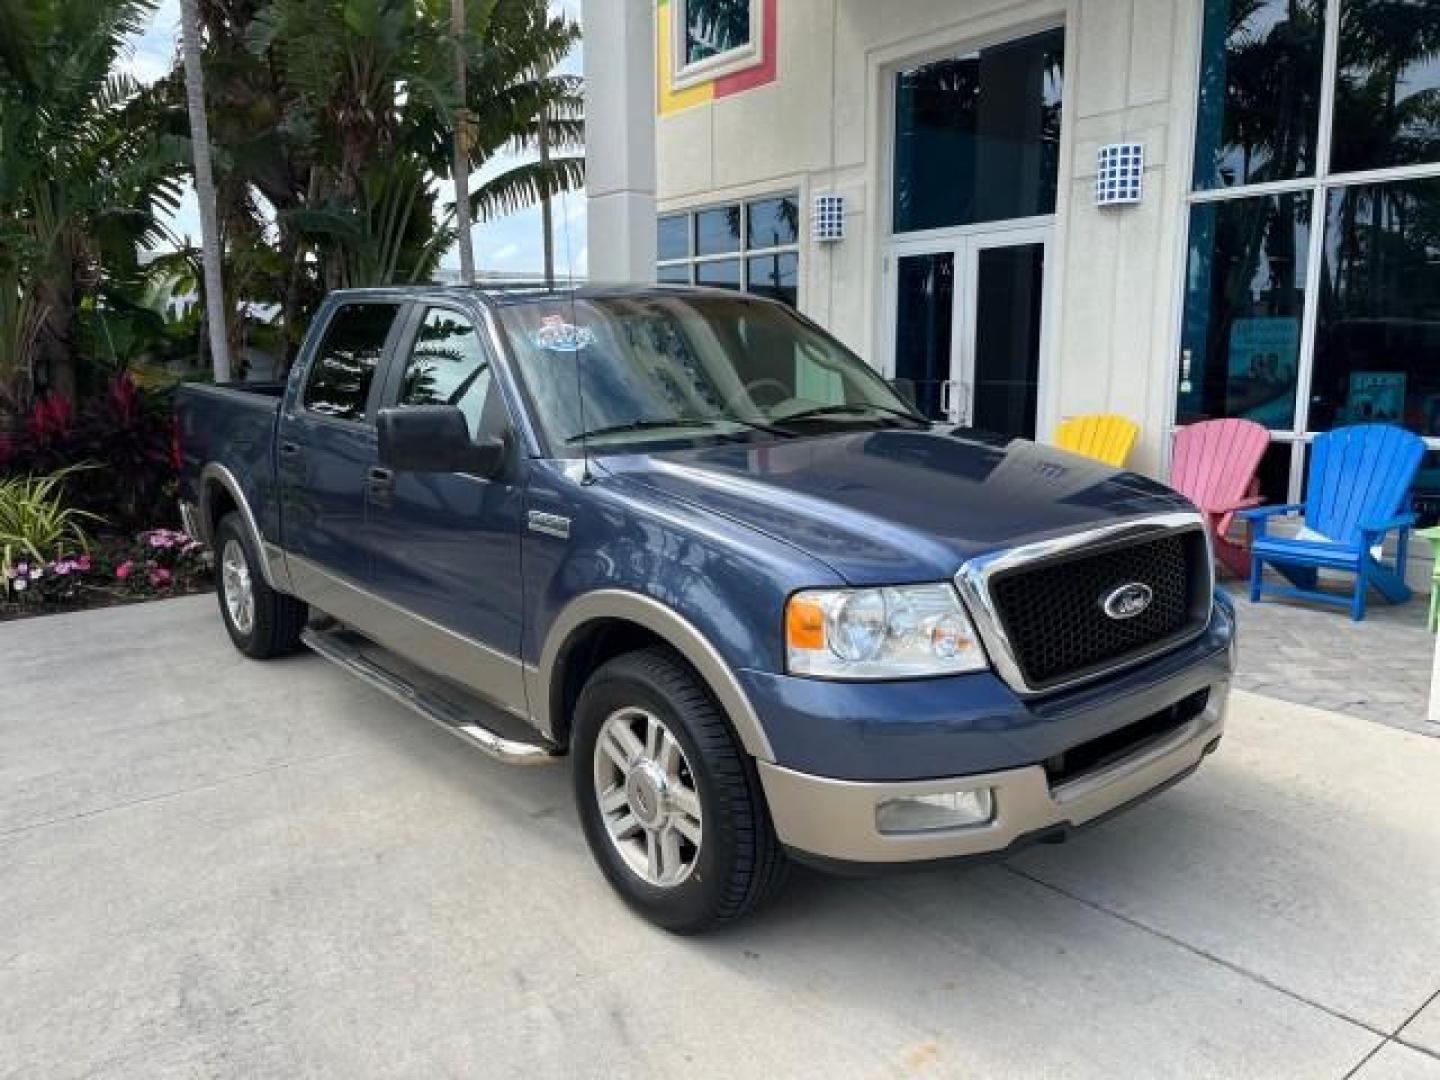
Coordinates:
[127,432]
[89,159]
[333,124]
[37,522]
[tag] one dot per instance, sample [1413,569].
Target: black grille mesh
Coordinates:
[1053,616]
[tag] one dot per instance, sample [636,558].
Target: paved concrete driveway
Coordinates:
[211,867]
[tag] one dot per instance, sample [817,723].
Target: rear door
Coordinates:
[327,448]
[446,546]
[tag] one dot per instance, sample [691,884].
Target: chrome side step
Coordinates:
[363,659]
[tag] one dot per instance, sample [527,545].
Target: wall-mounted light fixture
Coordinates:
[1119,170]
[827,219]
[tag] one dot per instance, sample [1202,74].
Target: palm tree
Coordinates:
[88,161]
[210,245]
[461,168]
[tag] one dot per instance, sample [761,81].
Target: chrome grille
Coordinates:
[1041,609]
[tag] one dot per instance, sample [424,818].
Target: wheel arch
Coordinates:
[220,494]
[597,626]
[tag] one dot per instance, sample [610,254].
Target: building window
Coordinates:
[1314,301]
[977,137]
[752,246]
[711,38]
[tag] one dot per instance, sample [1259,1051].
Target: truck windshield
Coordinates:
[677,367]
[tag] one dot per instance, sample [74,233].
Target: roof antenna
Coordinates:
[581,338]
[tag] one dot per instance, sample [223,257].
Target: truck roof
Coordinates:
[503,293]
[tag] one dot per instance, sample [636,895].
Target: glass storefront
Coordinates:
[1315,302]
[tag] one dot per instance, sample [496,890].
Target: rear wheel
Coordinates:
[261,622]
[670,803]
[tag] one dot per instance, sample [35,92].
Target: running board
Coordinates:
[364,659]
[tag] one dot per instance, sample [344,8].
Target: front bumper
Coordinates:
[834,821]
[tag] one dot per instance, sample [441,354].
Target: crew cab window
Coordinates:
[344,364]
[448,366]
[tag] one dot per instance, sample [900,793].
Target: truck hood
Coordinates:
[888,507]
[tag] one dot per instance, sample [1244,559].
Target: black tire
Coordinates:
[739,862]
[277,619]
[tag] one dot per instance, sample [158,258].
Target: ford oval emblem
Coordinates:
[1127,601]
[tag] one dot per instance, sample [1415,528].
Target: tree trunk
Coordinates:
[210,254]
[547,225]
[461,167]
[55,344]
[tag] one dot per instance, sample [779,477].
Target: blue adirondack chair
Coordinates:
[1359,490]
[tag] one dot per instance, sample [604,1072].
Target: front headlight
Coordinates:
[898,632]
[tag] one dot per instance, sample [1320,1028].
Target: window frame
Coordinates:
[1318,186]
[744,252]
[384,363]
[480,326]
[740,58]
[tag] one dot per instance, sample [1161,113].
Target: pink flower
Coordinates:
[124,570]
[159,576]
[83,563]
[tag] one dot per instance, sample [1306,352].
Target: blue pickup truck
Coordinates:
[690,541]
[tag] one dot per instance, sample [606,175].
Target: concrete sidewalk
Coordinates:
[212,867]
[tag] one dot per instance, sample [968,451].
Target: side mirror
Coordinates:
[436,438]
[905,389]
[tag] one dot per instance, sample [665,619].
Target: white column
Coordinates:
[620,139]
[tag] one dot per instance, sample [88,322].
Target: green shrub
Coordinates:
[36,522]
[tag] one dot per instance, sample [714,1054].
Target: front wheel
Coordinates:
[261,622]
[670,803]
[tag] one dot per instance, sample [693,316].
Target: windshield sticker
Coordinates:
[556,335]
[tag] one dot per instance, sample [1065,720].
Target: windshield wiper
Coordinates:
[681,422]
[640,425]
[851,409]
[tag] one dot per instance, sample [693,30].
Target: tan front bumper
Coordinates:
[835,819]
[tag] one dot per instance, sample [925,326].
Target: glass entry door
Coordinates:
[968,325]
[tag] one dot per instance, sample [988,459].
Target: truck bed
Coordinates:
[232,427]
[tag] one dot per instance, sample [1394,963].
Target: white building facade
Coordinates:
[1279,261]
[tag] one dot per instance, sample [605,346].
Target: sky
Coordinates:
[510,245]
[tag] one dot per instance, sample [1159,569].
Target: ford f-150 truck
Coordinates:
[688,539]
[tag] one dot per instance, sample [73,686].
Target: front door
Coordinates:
[446,546]
[967,326]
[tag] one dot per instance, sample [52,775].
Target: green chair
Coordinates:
[1433,535]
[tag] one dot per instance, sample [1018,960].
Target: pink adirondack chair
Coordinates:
[1214,467]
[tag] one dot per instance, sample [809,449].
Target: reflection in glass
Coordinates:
[1273,475]
[687,367]
[772,222]
[1007,338]
[1244,294]
[1387,89]
[724,274]
[924,309]
[1377,345]
[1426,492]
[776,276]
[448,366]
[673,275]
[344,365]
[717,231]
[672,237]
[1260,76]
[713,27]
[977,138]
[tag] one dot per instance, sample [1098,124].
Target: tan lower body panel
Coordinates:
[835,819]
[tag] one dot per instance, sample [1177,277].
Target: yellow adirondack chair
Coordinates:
[1102,436]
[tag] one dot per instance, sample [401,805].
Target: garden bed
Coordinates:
[155,564]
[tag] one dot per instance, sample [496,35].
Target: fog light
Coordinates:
[928,813]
